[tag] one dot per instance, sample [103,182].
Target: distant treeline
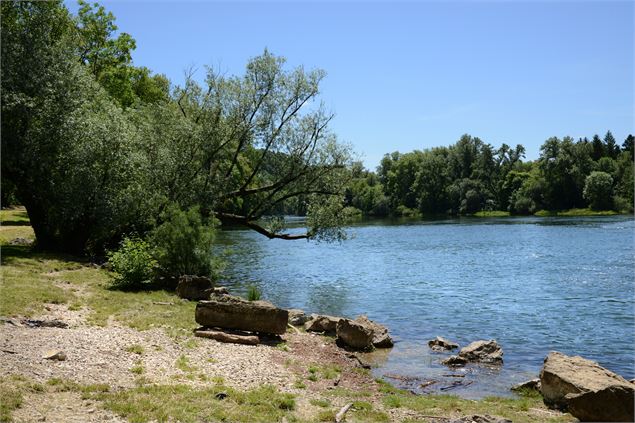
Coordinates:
[472,176]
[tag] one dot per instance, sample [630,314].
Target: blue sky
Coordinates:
[414,75]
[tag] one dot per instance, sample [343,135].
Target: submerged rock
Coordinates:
[231,312]
[483,351]
[454,361]
[586,390]
[442,344]
[194,288]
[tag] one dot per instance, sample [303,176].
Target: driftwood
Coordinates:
[228,337]
[339,417]
[456,385]
[294,328]
[427,383]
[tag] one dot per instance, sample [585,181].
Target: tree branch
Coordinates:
[242,220]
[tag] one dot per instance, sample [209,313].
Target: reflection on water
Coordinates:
[534,284]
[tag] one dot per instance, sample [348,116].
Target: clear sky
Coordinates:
[418,74]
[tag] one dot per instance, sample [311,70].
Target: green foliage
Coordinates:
[598,190]
[253,293]
[133,264]
[183,243]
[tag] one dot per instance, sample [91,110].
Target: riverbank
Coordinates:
[132,357]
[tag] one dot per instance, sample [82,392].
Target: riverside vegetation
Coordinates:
[157,371]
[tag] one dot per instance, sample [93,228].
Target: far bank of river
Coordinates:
[534,284]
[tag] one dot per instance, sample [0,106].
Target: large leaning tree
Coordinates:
[92,165]
[242,147]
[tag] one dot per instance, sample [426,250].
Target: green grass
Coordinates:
[320,403]
[521,410]
[363,411]
[188,404]
[325,371]
[575,212]
[135,349]
[138,368]
[491,213]
[253,293]
[183,363]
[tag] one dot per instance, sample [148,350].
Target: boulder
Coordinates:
[381,338]
[586,390]
[231,312]
[297,317]
[455,361]
[322,323]
[530,385]
[442,344]
[355,334]
[483,351]
[194,288]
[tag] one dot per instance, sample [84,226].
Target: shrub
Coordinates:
[253,293]
[132,264]
[183,244]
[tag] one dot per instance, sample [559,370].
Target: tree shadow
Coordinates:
[11,254]
[15,223]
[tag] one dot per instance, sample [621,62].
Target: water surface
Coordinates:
[533,284]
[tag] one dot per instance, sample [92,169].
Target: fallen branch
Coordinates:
[294,328]
[339,417]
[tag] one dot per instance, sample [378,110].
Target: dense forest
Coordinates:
[101,151]
[472,176]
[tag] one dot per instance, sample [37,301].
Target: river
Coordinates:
[533,284]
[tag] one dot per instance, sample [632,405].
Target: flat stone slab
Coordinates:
[230,312]
[226,337]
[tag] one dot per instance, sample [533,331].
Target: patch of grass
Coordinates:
[299,384]
[137,368]
[11,400]
[190,343]
[183,363]
[320,403]
[363,411]
[283,347]
[491,213]
[361,371]
[135,349]
[522,410]
[348,393]
[188,404]
[253,293]
[326,416]
[575,212]
[325,371]
[212,360]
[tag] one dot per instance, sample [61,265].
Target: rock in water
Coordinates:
[322,323]
[354,334]
[194,288]
[587,390]
[381,338]
[297,317]
[235,313]
[483,351]
[454,361]
[530,385]
[442,344]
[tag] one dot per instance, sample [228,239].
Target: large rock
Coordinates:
[235,313]
[194,288]
[454,361]
[355,334]
[381,338]
[442,344]
[322,323]
[483,351]
[585,389]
